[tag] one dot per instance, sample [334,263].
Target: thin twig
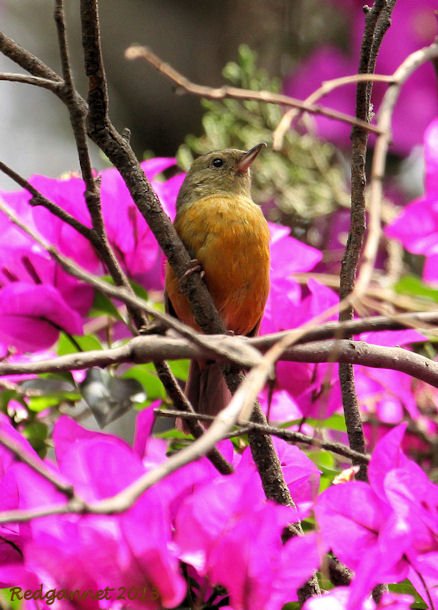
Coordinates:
[180,400]
[28,61]
[220,93]
[326,87]
[287,435]
[412,63]
[39,199]
[36,81]
[156,347]
[78,113]
[377,21]
[37,465]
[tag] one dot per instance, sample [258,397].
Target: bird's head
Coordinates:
[222,171]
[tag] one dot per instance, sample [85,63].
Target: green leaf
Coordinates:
[40,403]
[323,459]
[414,286]
[36,433]
[102,305]
[335,422]
[406,588]
[174,434]
[324,482]
[9,597]
[87,343]
[139,290]
[152,386]
[5,397]
[180,368]
[53,390]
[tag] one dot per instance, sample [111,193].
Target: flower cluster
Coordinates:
[38,298]
[221,528]
[214,538]
[417,226]
[413,26]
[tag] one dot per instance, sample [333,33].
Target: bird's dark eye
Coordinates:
[217,162]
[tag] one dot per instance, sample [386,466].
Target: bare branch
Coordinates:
[412,63]
[326,87]
[36,81]
[220,93]
[377,21]
[39,199]
[155,347]
[287,435]
[37,466]
[78,113]
[28,61]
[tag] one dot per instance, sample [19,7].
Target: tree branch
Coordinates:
[39,199]
[287,435]
[155,347]
[326,87]
[37,466]
[377,21]
[28,61]
[220,93]
[411,63]
[36,81]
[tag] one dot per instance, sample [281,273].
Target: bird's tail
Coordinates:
[206,388]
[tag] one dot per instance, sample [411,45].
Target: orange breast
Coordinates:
[230,238]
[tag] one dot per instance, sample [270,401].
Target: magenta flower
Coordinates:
[303,381]
[413,26]
[313,389]
[38,298]
[128,232]
[386,530]
[68,194]
[223,528]
[323,64]
[417,225]
[128,552]
[31,316]
[300,473]
[231,536]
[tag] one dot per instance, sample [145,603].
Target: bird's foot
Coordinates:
[194,267]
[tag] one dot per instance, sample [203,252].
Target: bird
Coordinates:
[227,237]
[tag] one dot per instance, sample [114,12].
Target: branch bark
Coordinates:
[155,347]
[220,93]
[377,21]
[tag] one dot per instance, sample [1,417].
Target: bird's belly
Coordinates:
[230,239]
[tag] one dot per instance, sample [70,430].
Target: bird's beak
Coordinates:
[247,158]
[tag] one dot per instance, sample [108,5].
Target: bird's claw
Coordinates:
[194,267]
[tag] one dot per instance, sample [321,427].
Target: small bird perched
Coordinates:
[227,236]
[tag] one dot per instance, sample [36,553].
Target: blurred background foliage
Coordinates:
[199,39]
